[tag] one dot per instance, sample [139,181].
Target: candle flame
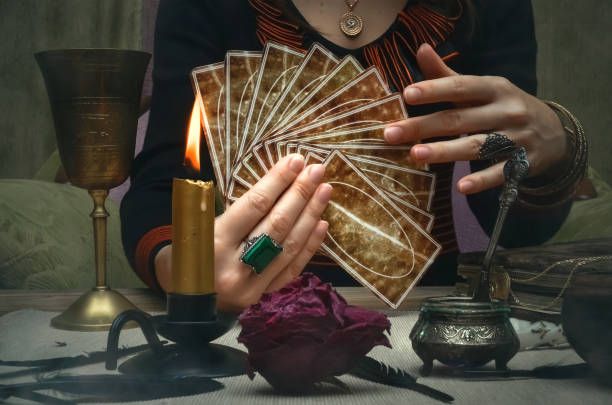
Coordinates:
[192,151]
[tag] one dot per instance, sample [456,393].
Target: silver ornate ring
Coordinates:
[496,147]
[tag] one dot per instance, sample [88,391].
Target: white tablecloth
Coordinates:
[26,335]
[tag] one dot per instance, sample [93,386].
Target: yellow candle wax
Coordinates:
[193,249]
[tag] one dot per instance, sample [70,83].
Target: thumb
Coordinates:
[432,66]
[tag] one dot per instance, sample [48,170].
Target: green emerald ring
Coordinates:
[259,251]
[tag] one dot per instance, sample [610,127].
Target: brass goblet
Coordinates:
[95,98]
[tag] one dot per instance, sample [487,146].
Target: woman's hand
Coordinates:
[482,105]
[287,204]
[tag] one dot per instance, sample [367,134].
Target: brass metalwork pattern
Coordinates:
[95,98]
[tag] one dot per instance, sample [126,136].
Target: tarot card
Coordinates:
[278,66]
[313,69]
[241,69]
[208,83]
[391,154]
[370,237]
[347,69]
[237,190]
[343,73]
[383,111]
[423,218]
[365,88]
[414,186]
[247,172]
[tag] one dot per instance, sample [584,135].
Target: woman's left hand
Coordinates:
[483,104]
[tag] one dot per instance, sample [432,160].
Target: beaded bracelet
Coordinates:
[563,188]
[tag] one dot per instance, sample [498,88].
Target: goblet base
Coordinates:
[93,311]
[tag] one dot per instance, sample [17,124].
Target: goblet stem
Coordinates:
[99,215]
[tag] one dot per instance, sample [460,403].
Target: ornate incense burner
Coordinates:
[460,332]
[470,332]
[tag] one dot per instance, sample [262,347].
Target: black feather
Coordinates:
[375,371]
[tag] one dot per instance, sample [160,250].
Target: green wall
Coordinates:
[27,137]
[573,66]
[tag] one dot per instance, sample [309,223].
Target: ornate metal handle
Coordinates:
[515,171]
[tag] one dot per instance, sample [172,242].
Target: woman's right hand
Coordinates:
[287,204]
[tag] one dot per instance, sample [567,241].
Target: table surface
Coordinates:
[25,334]
[149,301]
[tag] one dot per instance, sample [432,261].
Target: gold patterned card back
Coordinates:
[314,68]
[247,171]
[391,154]
[368,135]
[347,70]
[386,110]
[241,69]
[209,82]
[383,111]
[414,186]
[365,88]
[370,237]
[423,218]
[237,191]
[278,66]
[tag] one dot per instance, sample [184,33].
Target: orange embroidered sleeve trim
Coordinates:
[146,246]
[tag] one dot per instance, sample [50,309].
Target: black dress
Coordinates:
[191,33]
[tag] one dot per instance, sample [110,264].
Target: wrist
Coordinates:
[562,180]
[163,267]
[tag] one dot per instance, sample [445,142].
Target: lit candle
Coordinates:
[193,220]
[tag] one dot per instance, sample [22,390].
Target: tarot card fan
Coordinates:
[257,107]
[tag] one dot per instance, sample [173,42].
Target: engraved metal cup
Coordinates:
[95,98]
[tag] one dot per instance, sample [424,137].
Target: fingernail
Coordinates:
[411,93]
[422,152]
[316,172]
[393,134]
[424,45]
[324,194]
[297,163]
[324,225]
[465,186]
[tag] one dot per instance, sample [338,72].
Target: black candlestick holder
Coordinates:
[191,322]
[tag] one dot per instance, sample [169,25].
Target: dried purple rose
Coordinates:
[306,333]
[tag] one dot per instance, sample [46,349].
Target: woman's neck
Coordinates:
[324,16]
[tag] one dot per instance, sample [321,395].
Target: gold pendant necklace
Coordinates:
[350,23]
